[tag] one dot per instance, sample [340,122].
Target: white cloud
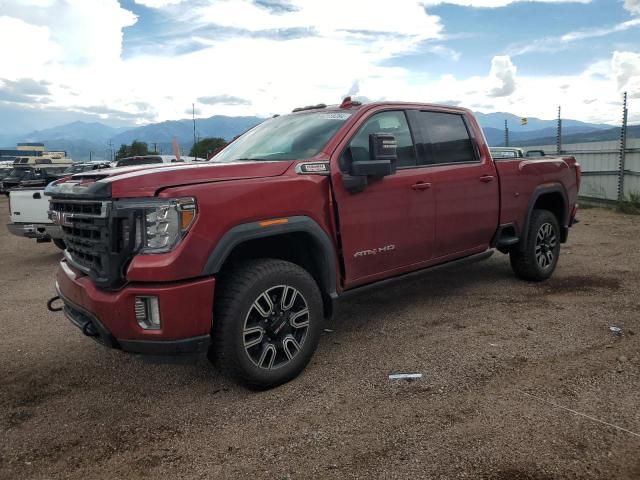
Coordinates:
[626,71]
[553,44]
[502,76]
[407,17]
[78,44]
[77,31]
[30,54]
[500,3]
[633,6]
[157,3]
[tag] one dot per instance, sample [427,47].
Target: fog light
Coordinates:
[148,312]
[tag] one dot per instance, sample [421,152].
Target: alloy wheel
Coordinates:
[546,242]
[275,327]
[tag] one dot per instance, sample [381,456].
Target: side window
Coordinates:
[446,139]
[393,122]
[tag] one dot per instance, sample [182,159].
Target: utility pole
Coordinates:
[506,134]
[90,155]
[623,149]
[193,114]
[110,150]
[559,133]
[155,147]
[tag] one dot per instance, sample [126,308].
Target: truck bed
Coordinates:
[520,177]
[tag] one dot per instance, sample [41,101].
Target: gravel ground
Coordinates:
[494,351]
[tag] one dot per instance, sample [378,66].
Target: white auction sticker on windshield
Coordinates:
[336,116]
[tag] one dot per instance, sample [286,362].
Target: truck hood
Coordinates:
[146,181]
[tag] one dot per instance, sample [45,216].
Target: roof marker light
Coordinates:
[348,103]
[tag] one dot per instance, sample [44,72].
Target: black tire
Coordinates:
[58,242]
[538,260]
[239,316]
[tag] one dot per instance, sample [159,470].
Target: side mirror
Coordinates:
[383,156]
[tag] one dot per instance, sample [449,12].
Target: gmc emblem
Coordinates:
[62,218]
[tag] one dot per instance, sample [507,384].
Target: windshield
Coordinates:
[285,138]
[130,161]
[21,173]
[504,153]
[76,169]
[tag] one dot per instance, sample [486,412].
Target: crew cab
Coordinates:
[244,256]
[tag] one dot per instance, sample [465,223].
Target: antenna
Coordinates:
[193,115]
[559,132]
[506,134]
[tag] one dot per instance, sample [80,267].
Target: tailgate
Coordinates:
[29,206]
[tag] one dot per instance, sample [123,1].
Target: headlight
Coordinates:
[160,224]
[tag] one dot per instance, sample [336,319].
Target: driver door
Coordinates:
[389,225]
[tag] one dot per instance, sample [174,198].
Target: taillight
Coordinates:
[578,176]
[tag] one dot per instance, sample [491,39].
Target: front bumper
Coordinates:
[109,317]
[39,231]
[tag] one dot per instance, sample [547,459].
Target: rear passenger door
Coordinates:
[465,183]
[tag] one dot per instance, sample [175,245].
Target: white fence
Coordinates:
[600,162]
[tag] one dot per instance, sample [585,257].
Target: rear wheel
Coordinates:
[539,257]
[58,242]
[267,321]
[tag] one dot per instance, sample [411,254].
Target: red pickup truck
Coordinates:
[244,257]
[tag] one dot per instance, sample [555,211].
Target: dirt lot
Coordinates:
[70,408]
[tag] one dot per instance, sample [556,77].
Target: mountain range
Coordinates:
[83,140]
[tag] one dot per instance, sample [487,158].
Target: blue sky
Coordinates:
[138,61]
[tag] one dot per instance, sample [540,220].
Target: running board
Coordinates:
[412,275]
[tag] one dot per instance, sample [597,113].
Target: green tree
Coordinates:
[207,145]
[136,148]
[122,152]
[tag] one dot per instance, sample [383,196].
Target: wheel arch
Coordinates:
[552,198]
[299,240]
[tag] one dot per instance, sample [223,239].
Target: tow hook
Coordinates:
[50,306]
[89,330]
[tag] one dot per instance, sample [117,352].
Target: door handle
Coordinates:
[421,186]
[36,195]
[486,178]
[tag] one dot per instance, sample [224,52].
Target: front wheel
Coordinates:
[539,257]
[267,322]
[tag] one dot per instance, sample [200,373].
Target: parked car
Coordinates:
[29,207]
[535,153]
[29,214]
[245,256]
[151,159]
[5,170]
[27,176]
[86,167]
[506,152]
[499,153]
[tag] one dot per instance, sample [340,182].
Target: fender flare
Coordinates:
[296,224]
[539,191]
